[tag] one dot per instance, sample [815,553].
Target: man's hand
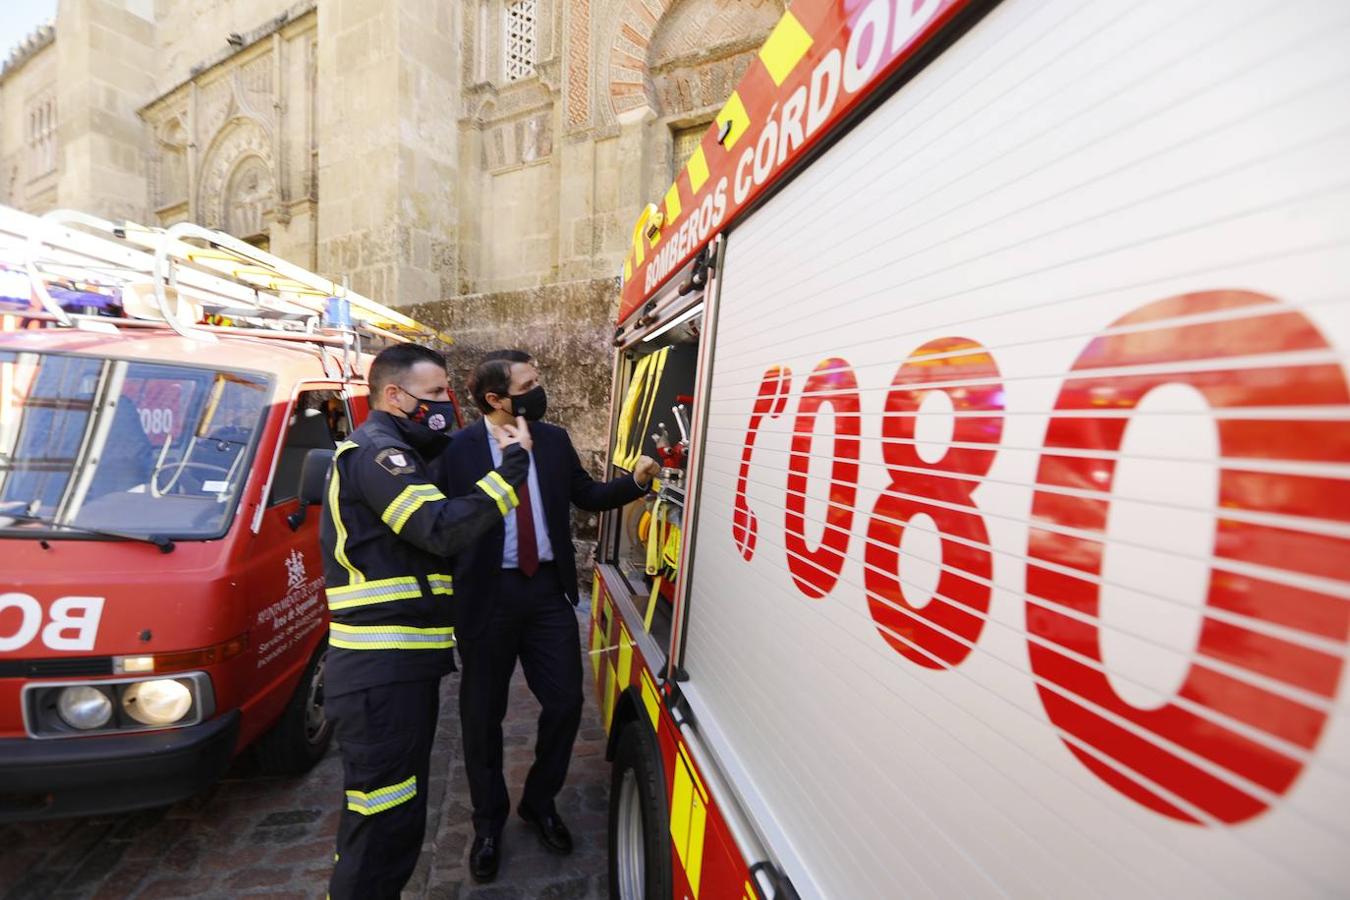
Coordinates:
[645,470]
[518,433]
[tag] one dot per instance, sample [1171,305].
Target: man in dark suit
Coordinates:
[515,590]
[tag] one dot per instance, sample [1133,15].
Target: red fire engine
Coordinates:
[169,403]
[996,352]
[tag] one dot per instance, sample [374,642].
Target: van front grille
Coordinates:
[69,667]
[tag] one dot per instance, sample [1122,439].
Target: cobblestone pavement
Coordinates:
[256,836]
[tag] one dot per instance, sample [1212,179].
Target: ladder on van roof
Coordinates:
[197,281]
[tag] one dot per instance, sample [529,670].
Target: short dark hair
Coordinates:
[492,375]
[393,363]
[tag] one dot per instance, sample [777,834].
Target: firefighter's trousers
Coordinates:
[384,734]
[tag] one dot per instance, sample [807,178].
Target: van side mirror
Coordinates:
[313,483]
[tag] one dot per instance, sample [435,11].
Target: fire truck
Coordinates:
[996,356]
[169,404]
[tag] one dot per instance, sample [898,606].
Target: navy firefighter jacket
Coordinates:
[386,531]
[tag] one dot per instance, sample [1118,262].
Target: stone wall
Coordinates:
[105,53]
[389,72]
[568,327]
[29,150]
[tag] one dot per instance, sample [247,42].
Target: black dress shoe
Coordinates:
[484,857]
[553,834]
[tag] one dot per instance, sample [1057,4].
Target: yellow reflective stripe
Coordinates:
[354,575]
[688,819]
[441,584]
[380,799]
[397,513]
[490,489]
[385,590]
[389,637]
[500,490]
[505,485]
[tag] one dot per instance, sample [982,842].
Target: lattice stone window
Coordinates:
[42,136]
[686,140]
[521,39]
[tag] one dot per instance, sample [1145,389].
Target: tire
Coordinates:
[302,734]
[639,825]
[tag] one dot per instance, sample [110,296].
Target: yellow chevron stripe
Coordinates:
[785,47]
[697,168]
[734,112]
[673,203]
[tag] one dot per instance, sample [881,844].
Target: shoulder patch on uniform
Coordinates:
[395,461]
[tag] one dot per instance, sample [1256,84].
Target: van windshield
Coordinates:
[131,447]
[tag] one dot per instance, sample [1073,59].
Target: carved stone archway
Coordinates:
[655,35]
[249,198]
[237,187]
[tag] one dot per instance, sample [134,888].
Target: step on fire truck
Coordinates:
[996,353]
[169,403]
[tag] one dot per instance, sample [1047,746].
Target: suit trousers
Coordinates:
[384,734]
[533,621]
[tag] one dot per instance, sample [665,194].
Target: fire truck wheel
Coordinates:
[302,734]
[639,851]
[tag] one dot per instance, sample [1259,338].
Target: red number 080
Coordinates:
[1174,759]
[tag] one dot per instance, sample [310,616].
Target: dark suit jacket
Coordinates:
[562,481]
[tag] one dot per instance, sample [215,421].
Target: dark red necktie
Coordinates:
[527,546]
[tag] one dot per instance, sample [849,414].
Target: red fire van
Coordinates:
[161,586]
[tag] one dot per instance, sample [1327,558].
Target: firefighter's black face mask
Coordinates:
[435,416]
[532,404]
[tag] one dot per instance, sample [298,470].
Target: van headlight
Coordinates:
[84,707]
[159,702]
[116,705]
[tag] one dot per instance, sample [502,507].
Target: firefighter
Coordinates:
[386,532]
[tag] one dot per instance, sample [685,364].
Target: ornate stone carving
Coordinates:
[249,196]
[243,141]
[578,64]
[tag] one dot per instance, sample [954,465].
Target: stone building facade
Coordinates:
[481,161]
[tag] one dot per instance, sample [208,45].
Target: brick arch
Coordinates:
[642,27]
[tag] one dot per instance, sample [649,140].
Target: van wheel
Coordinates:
[639,848]
[301,737]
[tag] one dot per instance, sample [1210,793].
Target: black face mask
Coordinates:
[532,404]
[434,415]
[428,444]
